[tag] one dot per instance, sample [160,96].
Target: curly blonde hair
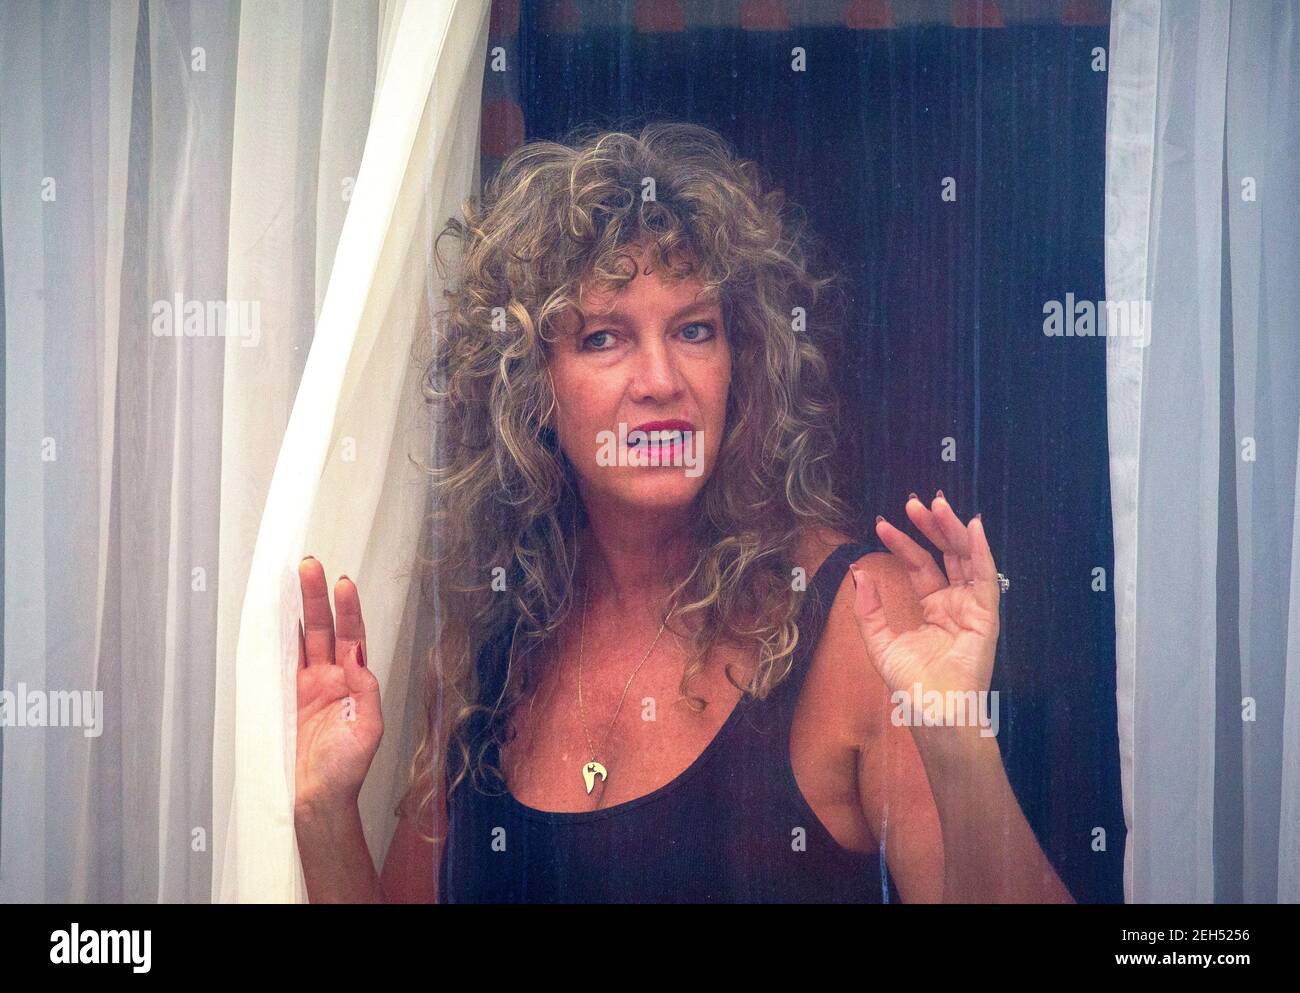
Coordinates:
[558,218]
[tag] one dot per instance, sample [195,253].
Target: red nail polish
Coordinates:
[361,655]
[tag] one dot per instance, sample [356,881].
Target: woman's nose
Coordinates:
[656,370]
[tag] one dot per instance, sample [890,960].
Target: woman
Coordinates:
[664,671]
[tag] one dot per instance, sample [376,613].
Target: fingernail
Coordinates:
[978,518]
[939,493]
[879,518]
[913,496]
[361,655]
[853,572]
[344,577]
[309,558]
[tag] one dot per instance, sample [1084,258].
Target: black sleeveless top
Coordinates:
[734,827]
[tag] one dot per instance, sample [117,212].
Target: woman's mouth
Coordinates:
[657,447]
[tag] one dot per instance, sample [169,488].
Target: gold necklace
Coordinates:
[592,769]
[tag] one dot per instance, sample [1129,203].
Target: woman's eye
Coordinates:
[695,333]
[586,342]
[708,329]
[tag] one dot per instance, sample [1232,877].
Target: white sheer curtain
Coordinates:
[1202,220]
[288,159]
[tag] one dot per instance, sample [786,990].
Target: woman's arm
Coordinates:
[894,792]
[921,629]
[336,863]
[411,866]
[892,787]
[992,854]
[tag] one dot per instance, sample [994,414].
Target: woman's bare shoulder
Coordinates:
[840,656]
[817,543]
[815,546]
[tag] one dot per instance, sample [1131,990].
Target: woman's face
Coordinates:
[653,359]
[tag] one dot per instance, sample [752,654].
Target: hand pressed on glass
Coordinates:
[340,721]
[954,647]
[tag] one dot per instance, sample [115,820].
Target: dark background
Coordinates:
[944,337]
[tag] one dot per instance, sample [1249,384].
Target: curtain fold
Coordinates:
[276,150]
[1263,217]
[1200,222]
[177,213]
[109,440]
[343,486]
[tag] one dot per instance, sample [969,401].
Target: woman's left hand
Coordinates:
[953,649]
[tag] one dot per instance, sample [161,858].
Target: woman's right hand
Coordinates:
[339,718]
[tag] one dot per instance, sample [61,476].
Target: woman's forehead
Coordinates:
[676,292]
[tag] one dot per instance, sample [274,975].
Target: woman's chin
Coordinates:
[659,494]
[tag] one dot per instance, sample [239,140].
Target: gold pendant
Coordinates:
[589,773]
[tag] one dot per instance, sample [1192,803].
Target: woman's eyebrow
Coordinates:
[618,314]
